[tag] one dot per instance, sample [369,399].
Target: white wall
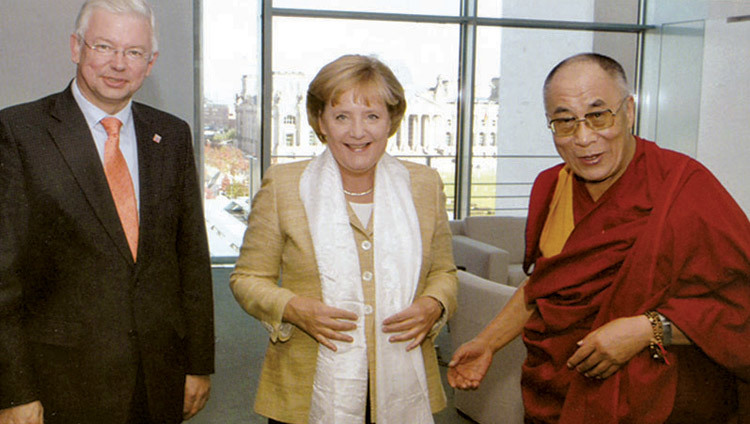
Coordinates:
[35,52]
[711,99]
[724,132]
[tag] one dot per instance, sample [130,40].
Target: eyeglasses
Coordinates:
[104,50]
[597,121]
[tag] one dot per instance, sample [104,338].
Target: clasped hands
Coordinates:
[326,323]
[599,355]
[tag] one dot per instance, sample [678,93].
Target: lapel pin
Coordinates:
[157,138]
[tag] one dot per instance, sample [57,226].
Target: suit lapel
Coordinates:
[150,166]
[72,136]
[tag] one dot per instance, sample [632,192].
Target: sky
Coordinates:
[418,54]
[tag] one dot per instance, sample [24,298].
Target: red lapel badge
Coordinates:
[157,138]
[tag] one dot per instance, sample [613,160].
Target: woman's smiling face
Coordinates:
[356,129]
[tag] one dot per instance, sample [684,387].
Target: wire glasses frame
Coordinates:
[597,121]
[104,50]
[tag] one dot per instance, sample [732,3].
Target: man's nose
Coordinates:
[584,135]
[118,60]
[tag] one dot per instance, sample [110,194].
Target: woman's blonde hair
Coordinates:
[371,80]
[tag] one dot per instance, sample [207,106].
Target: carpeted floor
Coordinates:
[240,344]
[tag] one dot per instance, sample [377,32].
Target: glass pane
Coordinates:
[230,119]
[426,66]
[600,11]
[511,142]
[680,83]
[420,7]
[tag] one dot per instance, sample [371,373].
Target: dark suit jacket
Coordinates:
[77,316]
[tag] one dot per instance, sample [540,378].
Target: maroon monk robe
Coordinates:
[666,236]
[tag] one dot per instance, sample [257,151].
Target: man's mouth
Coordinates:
[590,159]
[115,82]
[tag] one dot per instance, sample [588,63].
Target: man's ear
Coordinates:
[151,63]
[75,49]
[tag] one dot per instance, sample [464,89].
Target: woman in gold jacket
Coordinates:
[347,262]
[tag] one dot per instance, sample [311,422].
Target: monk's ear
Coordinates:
[630,111]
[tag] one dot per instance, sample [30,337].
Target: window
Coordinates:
[511,66]
[488,144]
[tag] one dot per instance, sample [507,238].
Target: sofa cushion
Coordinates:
[505,232]
[481,259]
[516,275]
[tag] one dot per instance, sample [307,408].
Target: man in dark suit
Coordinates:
[106,311]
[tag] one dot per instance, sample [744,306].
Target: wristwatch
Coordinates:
[666,325]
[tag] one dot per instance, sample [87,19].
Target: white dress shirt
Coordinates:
[128,144]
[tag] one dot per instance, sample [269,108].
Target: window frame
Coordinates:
[468,22]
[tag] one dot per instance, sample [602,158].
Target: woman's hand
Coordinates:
[605,350]
[414,322]
[469,364]
[324,323]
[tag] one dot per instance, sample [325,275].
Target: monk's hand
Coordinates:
[469,364]
[322,322]
[414,322]
[608,348]
[28,413]
[197,392]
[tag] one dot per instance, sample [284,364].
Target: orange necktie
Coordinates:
[120,183]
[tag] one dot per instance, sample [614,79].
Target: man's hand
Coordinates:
[324,323]
[28,413]
[469,365]
[197,392]
[605,350]
[414,322]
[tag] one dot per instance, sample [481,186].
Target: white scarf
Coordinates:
[340,384]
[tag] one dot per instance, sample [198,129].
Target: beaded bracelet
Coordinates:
[656,346]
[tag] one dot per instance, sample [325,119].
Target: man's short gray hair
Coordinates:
[609,65]
[139,7]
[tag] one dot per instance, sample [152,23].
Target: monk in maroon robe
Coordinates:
[623,229]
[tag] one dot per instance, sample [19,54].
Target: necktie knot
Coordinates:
[111,126]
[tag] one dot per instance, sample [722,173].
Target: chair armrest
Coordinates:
[498,399]
[481,259]
[456,226]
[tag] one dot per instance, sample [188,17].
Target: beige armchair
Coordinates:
[498,399]
[491,247]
